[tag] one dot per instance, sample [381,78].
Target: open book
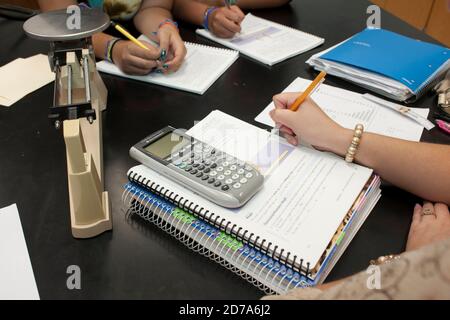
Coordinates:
[267,41]
[309,209]
[203,65]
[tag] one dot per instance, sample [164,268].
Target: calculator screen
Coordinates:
[166,145]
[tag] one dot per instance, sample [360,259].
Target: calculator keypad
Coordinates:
[212,167]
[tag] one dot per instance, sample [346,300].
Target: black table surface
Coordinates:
[137,260]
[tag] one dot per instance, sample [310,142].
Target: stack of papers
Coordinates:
[23,76]
[350,108]
[390,64]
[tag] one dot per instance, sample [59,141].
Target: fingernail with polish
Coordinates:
[163,55]
[165,66]
[159,71]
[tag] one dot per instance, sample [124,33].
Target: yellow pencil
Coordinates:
[128,35]
[308,91]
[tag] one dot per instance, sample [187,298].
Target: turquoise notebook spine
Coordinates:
[256,267]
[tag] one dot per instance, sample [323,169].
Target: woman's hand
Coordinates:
[308,123]
[430,223]
[172,49]
[224,22]
[132,59]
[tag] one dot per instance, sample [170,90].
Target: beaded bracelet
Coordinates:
[206,17]
[351,152]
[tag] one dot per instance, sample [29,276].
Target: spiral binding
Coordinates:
[222,224]
[164,215]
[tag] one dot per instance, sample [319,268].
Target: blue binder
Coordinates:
[411,62]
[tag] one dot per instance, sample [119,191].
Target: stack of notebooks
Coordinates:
[390,64]
[290,234]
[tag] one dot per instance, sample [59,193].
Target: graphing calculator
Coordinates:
[211,173]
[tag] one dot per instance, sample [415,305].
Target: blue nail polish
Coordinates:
[158,71]
[165,66]
[163,55]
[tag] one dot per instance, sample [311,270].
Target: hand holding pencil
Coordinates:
[299,117]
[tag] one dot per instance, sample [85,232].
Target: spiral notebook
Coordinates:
[267,41]
[203,65]
[289,235]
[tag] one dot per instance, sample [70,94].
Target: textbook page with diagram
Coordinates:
[267,41]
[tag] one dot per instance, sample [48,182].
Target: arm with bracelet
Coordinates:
[222,19]
[420,168]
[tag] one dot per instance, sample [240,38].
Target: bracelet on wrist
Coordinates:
[384,259]
[206,15]
[353,148]
[170,22]
[109,49]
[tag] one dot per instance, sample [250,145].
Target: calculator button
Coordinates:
[217,184]
[213,151]
[199,175]
[219,169]
[248,168]
[235,176]
[221,177]
[211,180]
[197,157]
[207,163]
[241,171]
[243,180]
[201,167]
[213,173]
[207,170]
[194,171]
[227,172]
[195,165]
[225,188]
[237,185]
[229,158]
[205,177]
[225,164]
[249,175]
[192,155]
[182,165]
[214,165]
[229,181]
[188,168]
[233,167]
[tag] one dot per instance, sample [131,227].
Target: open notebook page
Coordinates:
[203,65]
[349,108]
[266,41]
[305,196]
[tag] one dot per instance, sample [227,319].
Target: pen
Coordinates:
[444,126]
[311,88]
[128,35]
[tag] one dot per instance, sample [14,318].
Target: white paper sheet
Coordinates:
[16,273]
[267,41]
[23,76]
[349,108]
[203,65]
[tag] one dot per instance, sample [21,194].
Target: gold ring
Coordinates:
[428,212]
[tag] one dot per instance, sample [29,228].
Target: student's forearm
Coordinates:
[249,4]
[151,15]
[190,11]
[420,168]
